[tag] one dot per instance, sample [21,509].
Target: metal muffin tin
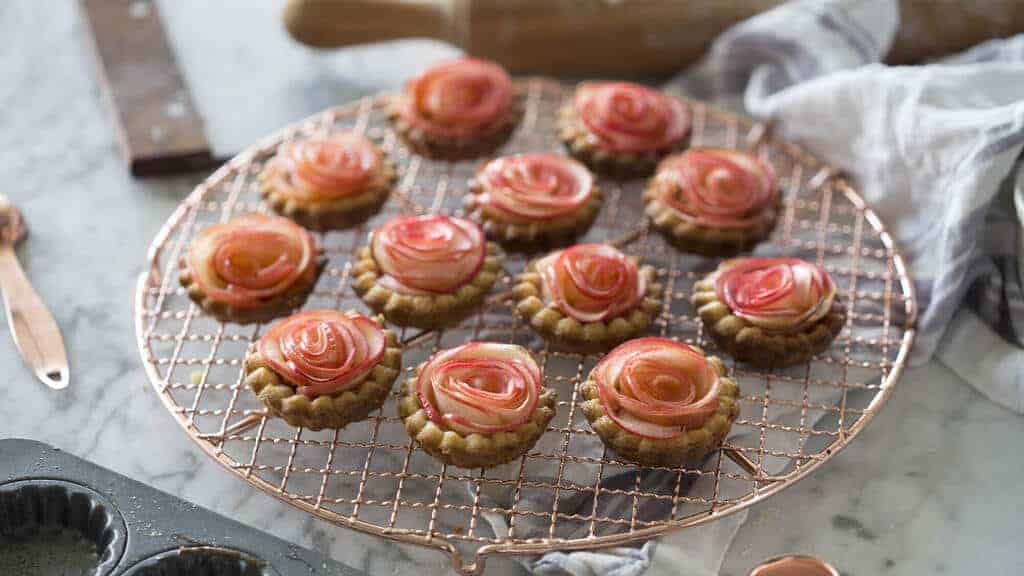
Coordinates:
[137,530]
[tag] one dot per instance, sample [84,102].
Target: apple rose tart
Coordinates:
[426,271]
[621,129]
[588,297]
[770,312]
[324,368]
[457,109]
[713,202]
[529,201]
[326,182]
[477,405]
[252,268]
[660,402]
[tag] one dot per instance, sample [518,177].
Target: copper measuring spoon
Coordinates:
[794,565]
[34,330]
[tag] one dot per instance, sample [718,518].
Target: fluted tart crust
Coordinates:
[323,368]
[458,109]
[621,129]
[659,402]
[253,268]
[426,271]
[528,202]
[770,312]
[477,405]
[713,202]
[588,298]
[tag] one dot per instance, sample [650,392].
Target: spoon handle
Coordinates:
[34,330]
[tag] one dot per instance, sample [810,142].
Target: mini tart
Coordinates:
[587,298]
[770,312]
[323,368]
[713,202]
[458,109]
[659,402]
[252,268]
[477,405]
[532,201]
[326,182]
[426,271]
[621,129]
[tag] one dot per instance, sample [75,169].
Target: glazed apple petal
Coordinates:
[719,188]
[534,187]
[591,282]
[323,351]
[626,117]
[457,98]
[782,294]
[251,258]
[480,387]
[657,387]
[428,254]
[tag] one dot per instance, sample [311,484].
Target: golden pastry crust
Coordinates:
[275,307]
[706,241]
[572,335]
[546,234]
[334,213]
[690,446]
[454,149]
[427,311]
[472,450]
[620,165]
[329,411]
[757,346]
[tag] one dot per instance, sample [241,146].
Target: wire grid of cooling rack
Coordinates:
[568,492]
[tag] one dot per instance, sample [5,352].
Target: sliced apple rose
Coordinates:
[588,298]
[479,404]
[252,267]
[627,117]
[660,402]
[713,201]
[528,201]
[622,129]
[324,368]
[770,312]
[457,109]
[426,271]
[328,181]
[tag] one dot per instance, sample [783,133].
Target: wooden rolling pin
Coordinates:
[613,37]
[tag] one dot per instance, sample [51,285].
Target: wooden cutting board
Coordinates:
[158,125]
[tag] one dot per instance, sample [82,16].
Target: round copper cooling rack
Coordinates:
[568,492]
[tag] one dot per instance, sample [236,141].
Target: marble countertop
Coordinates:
[936,467]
